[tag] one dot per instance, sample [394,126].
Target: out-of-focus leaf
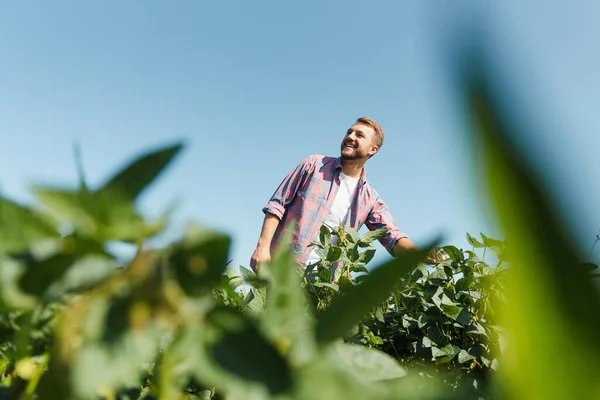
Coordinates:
[286,320]
[20,226]
[346,311]
[200,260]
[69,205]
[11,293]
[140,173]
[367,364]
[551,298]
[243,351]
[588,266]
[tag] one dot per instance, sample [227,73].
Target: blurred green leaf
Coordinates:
[243,351]
[551,298]
[20,226]
[286,319]
[346,311]
[140,173]
[68,204]
[199,260]
[369,365]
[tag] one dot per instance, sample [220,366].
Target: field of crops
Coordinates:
[179,322]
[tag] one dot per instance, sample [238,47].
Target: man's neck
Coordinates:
[352,168]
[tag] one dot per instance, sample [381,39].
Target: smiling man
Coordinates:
[333,191]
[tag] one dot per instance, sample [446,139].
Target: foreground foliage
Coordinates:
[77,322]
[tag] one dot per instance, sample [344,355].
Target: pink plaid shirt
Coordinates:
[305,196]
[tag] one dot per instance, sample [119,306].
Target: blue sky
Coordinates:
[253,87]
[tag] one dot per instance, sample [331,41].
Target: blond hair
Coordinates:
[376,127]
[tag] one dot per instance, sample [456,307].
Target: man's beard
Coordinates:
[355,155]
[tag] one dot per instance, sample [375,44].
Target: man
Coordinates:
[332,191]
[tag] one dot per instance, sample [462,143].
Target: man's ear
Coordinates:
[373,150]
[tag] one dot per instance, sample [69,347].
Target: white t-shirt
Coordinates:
[338,213]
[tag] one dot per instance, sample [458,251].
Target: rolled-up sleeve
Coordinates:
[287,189]
[381,218]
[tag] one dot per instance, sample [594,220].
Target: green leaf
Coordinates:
[474,242]
[445,354]
[325,235]
[551,298]
[334,253]
[332,286]
[243,351]
[371,236]
[20,226]
[199,260]
[366,256]
[344,312]
[588,266]
[367,364]
[463,357]
[140,173]
[352,235]
[286,319]
[69,205]
[455,254]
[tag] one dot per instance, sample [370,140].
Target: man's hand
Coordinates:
[262,254]
[436,257]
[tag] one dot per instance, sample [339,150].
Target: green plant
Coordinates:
[440,317]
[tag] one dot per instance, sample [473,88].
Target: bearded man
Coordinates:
[332,191]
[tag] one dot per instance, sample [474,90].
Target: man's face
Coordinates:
[359,142]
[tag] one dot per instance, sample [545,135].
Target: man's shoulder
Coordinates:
[318,160]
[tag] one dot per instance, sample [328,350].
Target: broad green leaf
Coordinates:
[20,226]
[344,312]
[367,364]
[455,254]
[352,235]
[334,253]
[445,354]
[199,260]
[588,266]
[371,236]
[463,357]
[325,235]
[474,242]
[70,206]
[243,351]
[49,270]
[551,298]
[333,286]
[286,320]
[140,173]
[366,256]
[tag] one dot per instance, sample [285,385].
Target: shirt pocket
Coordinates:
[315,190]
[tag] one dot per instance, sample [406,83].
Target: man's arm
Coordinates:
[276,208]
[263,246]
[404,244]
[394,241]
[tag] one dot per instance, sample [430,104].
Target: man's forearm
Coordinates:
[402,245]
[269,226]
[405,244]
